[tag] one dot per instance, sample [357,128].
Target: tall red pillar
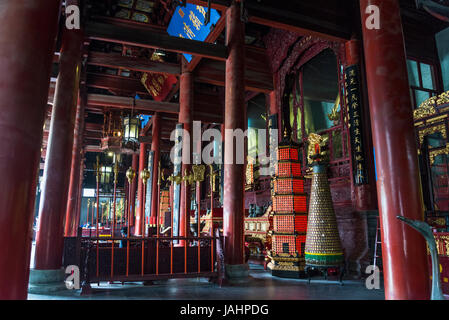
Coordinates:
[186,118]
[27,40]
[233,206]
[398,186]
[49,239]
[156,148]
[71,222]
[134,211]
[140,209]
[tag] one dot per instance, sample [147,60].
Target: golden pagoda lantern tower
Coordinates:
[323,245]
[289,214]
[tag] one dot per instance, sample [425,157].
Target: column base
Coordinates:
[237,273]
[46,281]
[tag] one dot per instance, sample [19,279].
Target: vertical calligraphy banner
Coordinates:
[354,108]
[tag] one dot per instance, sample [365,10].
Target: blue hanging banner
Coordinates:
[188,23]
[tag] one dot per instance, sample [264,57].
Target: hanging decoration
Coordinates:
[112,132]
[158,85]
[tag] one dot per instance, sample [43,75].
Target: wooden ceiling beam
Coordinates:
[115,83]
[258,76]
[212,37]
[327,19]
[116,61]
[139,37]
[141,106]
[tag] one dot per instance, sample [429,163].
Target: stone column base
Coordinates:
[237,273]
[46,281]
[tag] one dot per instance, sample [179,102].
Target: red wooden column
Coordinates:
[49,239]
[186,118]
[233,206]
[134,212]
[71,222]
[26,54]
[398,185]
[140,209]
[156,148]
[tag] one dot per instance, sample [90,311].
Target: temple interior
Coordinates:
[203,149]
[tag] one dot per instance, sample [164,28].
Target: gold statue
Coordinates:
[316,145]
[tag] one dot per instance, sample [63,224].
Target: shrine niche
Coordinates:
[431,127]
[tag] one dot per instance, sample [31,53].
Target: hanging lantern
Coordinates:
[112,132]
[131,127]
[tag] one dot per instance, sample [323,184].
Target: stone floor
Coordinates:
[262,286]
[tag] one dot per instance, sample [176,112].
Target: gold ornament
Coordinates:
[176,179]
[188,177]
[144,175]
[198,172]
[130,174]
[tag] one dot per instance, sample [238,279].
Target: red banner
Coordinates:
[158,85]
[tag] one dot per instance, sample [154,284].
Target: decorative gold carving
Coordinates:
[434,153]
[198,172]
[212,174]
[188,177]
[430,130]
[443,98]
[428,107]
[176,179]
[315,140]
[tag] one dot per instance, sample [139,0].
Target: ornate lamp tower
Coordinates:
[323,246]
[290,214]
